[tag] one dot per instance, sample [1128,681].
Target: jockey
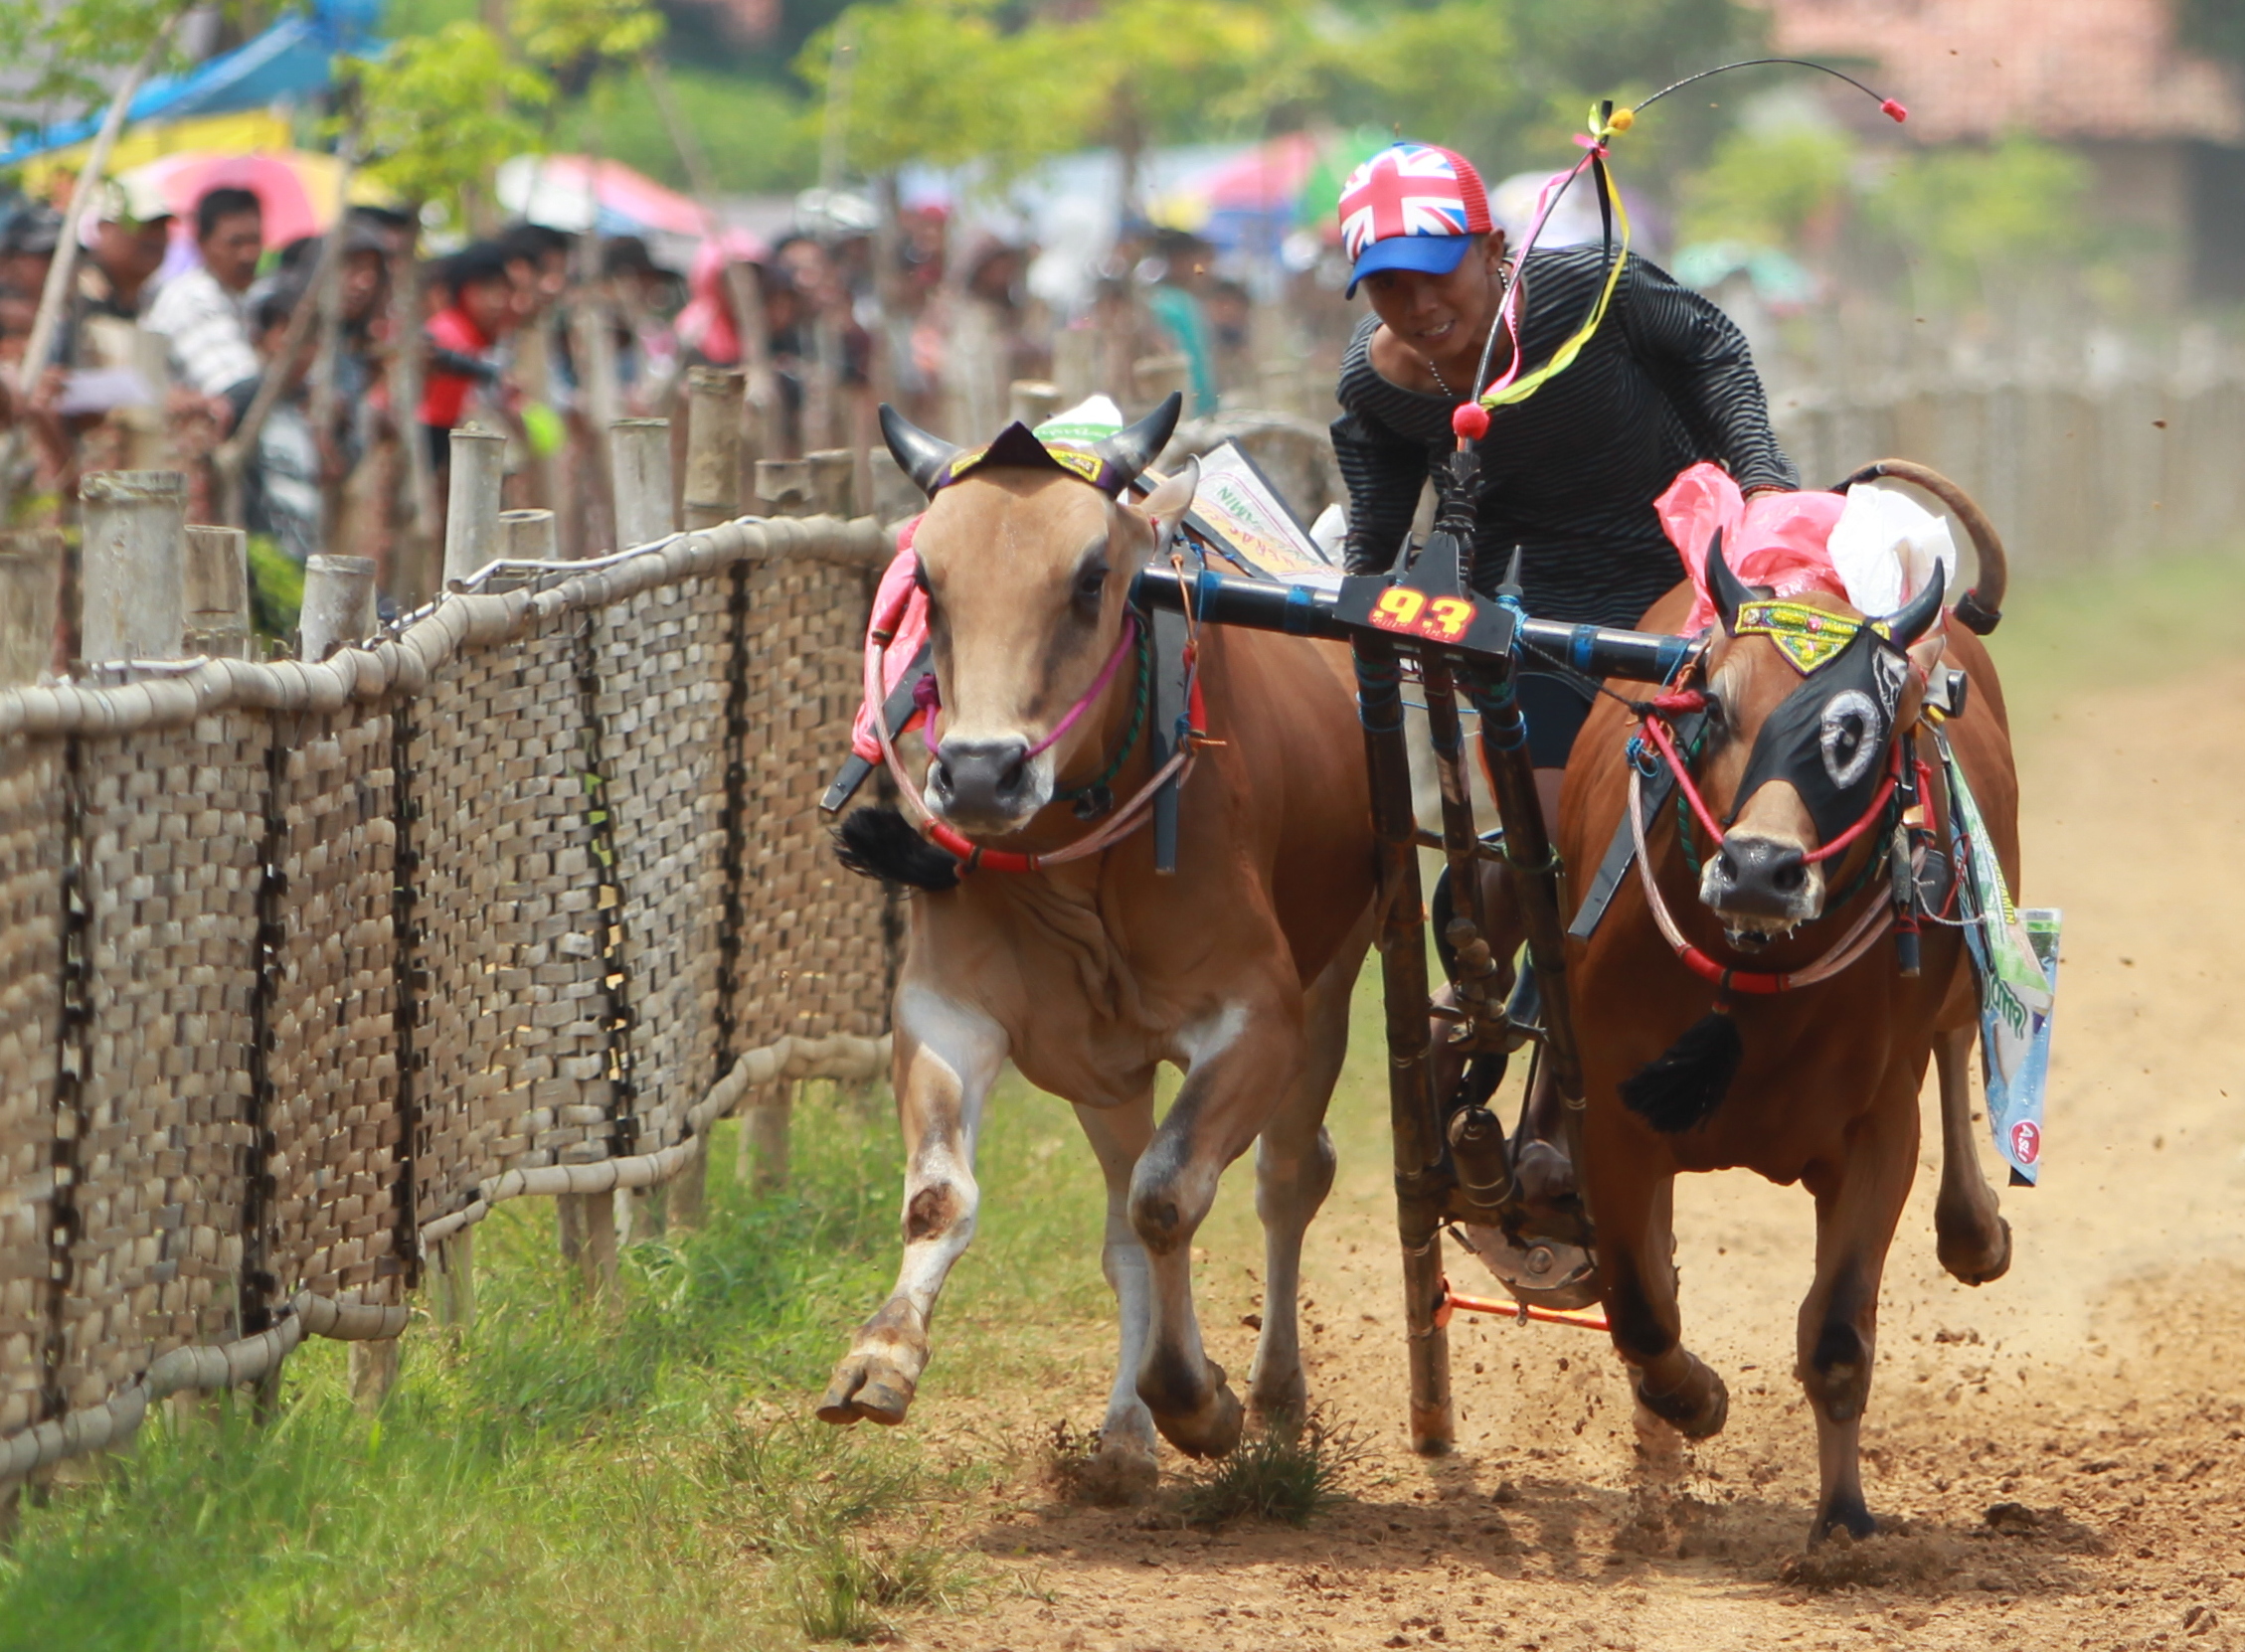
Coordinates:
[1569,475]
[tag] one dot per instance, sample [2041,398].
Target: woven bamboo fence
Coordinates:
[304,967]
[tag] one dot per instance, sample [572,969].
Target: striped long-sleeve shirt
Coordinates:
[1570,474]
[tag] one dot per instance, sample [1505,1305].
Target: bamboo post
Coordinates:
[784,487]
[833,481]
[455,1280]
[338,605]
[641,449]
[133,578]
[217,594]
[31,586]
[713,445]
[764,1132]
[471,512]
[528,537]
[373,1372]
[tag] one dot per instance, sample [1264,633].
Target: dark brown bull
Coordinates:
[1090,975]
[1826,1092]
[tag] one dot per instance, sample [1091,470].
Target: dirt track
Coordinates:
[2093,1397]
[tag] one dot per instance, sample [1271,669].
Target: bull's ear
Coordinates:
[920,455]
[1728,590]
[1908,622]
[1134,446]
[1167,504]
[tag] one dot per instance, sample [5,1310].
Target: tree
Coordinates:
[71,50]
[443,111]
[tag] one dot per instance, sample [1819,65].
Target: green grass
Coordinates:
[2081,631]
[553,1478]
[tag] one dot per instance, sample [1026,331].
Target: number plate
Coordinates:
[1454,624]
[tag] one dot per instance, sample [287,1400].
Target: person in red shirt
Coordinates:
[462,338]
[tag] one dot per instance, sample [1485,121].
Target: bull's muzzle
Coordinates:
[986,785]
[1759,887]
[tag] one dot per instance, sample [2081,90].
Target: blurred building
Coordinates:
[2164,128]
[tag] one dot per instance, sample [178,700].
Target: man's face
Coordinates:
[1433,314]
[129,253]
[230,251]
[490,305]
[361,279]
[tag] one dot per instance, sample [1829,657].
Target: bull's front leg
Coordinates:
[948,1055]
[1241,1061]
[1972,1239]
[1858,1203]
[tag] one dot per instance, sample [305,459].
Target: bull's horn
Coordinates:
[1908,622]
[1134,448]
[1724,587]
[920,455]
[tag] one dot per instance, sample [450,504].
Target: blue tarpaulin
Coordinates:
[293,58]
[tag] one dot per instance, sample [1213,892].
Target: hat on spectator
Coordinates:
[34,228]
[1412,206]
[132,199]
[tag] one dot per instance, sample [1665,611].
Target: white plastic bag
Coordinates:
[1885,546]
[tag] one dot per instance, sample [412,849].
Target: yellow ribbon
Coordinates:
[1602,127]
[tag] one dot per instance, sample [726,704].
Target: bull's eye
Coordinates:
[1850,736]
[1090,586]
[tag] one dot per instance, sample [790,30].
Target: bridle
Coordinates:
[1869,927]
[1126,817]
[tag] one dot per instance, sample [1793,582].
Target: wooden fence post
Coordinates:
[217,594]
[471,511]
[338,605]
[642,481]
[31,594]
[134,579]
[1032,402]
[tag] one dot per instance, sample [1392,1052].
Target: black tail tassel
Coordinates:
[1680,1088]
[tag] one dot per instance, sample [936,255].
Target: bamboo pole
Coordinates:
[31,587]
[471,513]
[133,580]
[54,295]
[641,449]
[217,594]
[234,454]
[338,605]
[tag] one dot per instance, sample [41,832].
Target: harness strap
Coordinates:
[1621,848]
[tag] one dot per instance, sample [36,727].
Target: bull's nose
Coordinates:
[1757,878]
[983,779]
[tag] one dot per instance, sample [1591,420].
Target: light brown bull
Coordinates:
[1827,1090]
[1090,975]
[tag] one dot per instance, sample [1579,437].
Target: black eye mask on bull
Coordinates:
[1828,737]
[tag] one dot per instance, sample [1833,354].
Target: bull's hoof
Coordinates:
[1211,1429]
[1118,1474]
[1279,1399]
[1697,1408]
[1972,1258]
[1844,1513]
[867,1387]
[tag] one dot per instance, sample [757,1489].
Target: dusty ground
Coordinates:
[2060,1457]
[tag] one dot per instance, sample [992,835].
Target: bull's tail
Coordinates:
[1680,1088]
[881,842]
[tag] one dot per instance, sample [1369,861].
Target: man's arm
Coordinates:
[1702,361]
[1384,477]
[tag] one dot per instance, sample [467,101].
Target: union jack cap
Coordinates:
[1411,207]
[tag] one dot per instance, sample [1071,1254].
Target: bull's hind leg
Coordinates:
[1126,1466]
[1857,1205]
[1971,1236]
[948,1055]
[1294,1171]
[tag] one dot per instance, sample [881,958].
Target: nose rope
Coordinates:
[1125,819]
[928,695]
[1876,920]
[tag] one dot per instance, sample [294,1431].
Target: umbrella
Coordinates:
[576,192]
[297,188]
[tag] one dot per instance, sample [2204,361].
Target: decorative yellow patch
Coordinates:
[1805,636]
[1090,466]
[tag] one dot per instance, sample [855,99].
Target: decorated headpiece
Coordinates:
[1110,464]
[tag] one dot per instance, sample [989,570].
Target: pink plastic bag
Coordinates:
[900,607]
[1774,539]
